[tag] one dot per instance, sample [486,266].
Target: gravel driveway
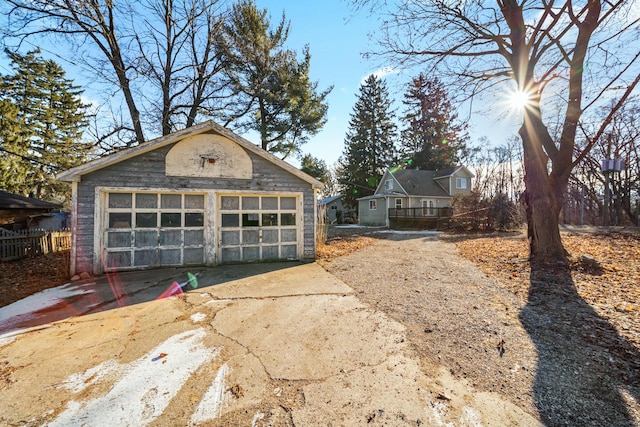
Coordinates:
[543,355]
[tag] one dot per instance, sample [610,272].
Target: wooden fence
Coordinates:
[30,243]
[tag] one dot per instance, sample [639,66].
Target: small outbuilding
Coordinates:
[200,196]
[16,211]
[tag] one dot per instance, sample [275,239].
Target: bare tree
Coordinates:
[128,44]
[587,181]
[561,54]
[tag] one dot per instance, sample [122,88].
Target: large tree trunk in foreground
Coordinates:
[542,199]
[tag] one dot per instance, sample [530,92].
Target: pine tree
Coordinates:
[52,118]
[14,166]
[430,139]
[272,92]
[369,145]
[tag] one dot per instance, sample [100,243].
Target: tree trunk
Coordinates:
[542,200]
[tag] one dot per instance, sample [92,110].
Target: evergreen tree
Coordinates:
[316,168]
[52,119]
[14,151]
[272,90]
[369,144]
[430,139]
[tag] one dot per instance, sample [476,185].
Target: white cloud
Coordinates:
[380,73]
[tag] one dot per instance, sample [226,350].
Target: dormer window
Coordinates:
[388,184]
[461,183]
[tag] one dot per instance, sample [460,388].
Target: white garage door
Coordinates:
[145,229]
[258,227]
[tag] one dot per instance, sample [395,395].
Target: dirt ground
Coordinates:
[561,343]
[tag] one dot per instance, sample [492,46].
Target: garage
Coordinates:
[153,230]
[201,196]
[258,228]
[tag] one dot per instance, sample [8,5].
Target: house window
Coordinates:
[388,184]
[398,203]
[373,205]
[461,183]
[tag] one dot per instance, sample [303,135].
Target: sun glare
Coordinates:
[520,99]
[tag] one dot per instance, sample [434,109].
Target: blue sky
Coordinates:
[337,38]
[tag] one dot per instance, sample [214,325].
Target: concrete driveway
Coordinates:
[267,344]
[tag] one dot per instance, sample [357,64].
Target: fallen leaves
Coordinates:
[339,246]
[605,269]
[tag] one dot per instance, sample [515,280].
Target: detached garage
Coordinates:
[201,196]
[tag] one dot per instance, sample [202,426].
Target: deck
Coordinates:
[429,218]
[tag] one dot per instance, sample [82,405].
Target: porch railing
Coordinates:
[424,213]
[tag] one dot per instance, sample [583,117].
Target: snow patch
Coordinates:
[28,307]
[78,382]
[210,407]
[146,386]
[198,317]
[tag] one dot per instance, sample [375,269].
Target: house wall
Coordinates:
[416,202]
[460,174]
[148,171]
[332,209]
[377,217]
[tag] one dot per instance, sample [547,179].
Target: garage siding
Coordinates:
[148,171]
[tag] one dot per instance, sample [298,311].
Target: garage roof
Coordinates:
[75,174]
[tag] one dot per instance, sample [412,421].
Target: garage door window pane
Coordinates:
[288,219]
[270,236]
[193,220]
[193,256]
[250,220]
[194,201]
[269,252]
[146,239]
[170,257]
[230,203]
[193,237]
[171,201]
[119,220]
[146,201]
[251,253]
[230,220]
[230,254]
[120,200]
[250,203]
[269,220]
[270,203]
[288,235]
[288,203]
[118,259]
[169,219]
[171,238]
[146,219]
[146,257]
[289,251]
[119,240]
[230,238]
[250,236]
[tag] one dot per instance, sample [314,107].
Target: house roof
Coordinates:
[75,174]
[328,200]
[15,201]
[445,173]
[419,183]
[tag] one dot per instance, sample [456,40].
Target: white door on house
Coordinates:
[149,229]
[259,227]
[428,207]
